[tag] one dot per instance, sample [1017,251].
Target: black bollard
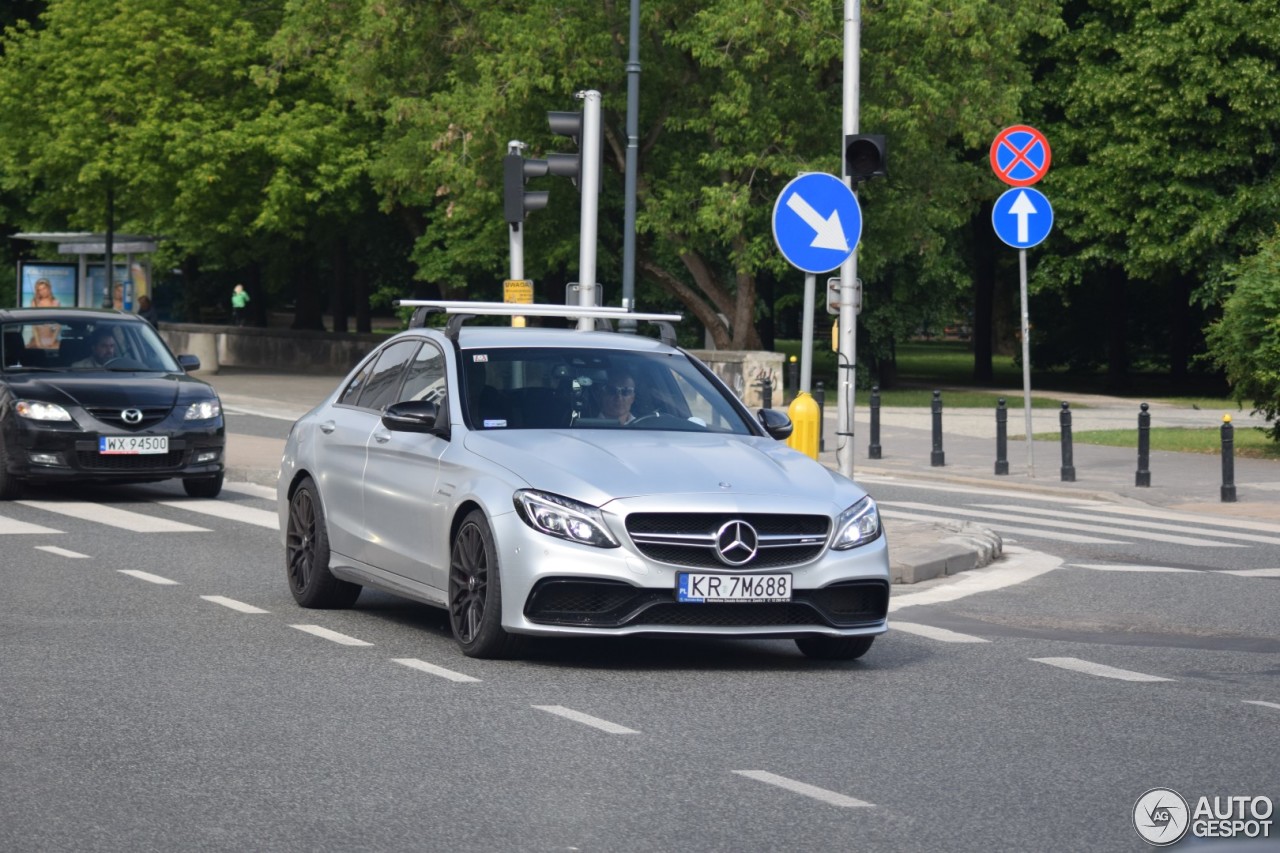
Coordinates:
[1228,461]
[820,397]
[873,450]
[766,392]
[1002,437]
[1143,477]
[793,377]
[1068,468]
[937,457]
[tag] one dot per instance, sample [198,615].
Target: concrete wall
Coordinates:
[295,351]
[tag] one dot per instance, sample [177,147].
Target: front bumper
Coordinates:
[43,453]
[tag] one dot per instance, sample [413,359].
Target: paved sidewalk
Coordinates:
[1184,481]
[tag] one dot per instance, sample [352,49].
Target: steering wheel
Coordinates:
[652,416]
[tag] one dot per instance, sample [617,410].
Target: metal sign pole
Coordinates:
[806,333]
[847,346]
[590,202]
[1026,361]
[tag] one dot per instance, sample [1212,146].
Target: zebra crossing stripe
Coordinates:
[114,517]
[228,510]
[13,526]
[1201,527]
[1099,669]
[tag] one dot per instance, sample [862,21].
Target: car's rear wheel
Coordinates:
[306,554]
[10,486]
[475,592]
[203,487]
[834,648]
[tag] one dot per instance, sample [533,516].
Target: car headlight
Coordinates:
[565,518]
[37,411]
[857,525]
[203,410]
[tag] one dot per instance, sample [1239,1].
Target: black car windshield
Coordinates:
[74,344]
[568,388]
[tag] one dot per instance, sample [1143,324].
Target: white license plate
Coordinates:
[699,589]
[126,444]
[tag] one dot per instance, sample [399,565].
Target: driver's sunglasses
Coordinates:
[619,390]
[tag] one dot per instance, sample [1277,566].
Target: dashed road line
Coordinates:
[1100,670]
[586,719]
[147,576]
[933,633]
[432,669]
[1263,704]
[333,636]
[1137,569]
[62,552]
[805,789]
[114,517]
[233,604]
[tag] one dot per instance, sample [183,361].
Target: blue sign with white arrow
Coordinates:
[1022,217]
[817,222]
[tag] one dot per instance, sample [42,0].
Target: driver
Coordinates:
[617,395]
[102,350]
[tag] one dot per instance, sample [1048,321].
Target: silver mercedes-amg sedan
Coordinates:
[559,482]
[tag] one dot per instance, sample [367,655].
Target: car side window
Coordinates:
[351,394]
[388,371]
[424,377]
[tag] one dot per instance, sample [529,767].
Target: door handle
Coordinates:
[382,437]
[327,427]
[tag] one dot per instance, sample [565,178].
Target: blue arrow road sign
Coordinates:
[817,222]
[1022,217]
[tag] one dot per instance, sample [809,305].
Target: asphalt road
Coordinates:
[159,690]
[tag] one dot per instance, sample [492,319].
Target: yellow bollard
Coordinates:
[804,413]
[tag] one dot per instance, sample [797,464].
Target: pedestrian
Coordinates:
[239,301]
[147,311]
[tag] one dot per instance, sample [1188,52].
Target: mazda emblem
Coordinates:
[131,416]
[736,543]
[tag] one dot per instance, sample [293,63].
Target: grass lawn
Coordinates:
[1249,442]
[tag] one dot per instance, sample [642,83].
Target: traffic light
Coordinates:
[864,157]
[516,201]
[570,125]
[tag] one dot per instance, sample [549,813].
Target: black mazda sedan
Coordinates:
[96,395]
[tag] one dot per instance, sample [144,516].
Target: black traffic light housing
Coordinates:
[516,202]
[864,157]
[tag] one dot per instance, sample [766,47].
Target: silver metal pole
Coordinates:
[514,231]
[1026,361]
[848,343]
[590,202]
[806,333]
[633,153]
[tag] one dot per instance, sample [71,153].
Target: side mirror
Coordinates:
[188,362]
[776,423]
[416,416]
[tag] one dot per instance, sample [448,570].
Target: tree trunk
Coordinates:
[339,289]
[1180,327]
[1117,283]
[984,296]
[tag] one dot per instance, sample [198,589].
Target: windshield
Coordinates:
[73,344]
[566,388]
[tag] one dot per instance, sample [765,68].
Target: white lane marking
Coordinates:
[1017,566]
[147,576]
[993,520]
[62,552]
[331,635]
[114,517]
[251,489]
[975,490]
[1008,528]
[12,525]
[586,719]
[933,633]
[1251,573]
[229,510]
[829,797]
[1110,567]
[1201,528]
[1100,670]
[432,669]
[258,413]
[1190,519]
[1263,704]
[233,604]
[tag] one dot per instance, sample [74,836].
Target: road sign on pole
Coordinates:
[1020,155]
[816,222]
[1022,217]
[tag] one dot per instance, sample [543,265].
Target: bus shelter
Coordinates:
[84,282]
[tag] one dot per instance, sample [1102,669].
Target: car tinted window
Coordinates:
[388,372]
[66,343]
[424,376]
[569,388]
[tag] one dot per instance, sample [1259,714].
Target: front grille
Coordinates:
[90,461]
[151,415]
[614,604]
[689,539]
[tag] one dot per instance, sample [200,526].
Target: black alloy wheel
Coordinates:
[475,592]
[10,486]
[306,554]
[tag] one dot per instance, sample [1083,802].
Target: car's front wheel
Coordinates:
[203,487]
[306,554]
[475,592]
[834,648]
[10,486]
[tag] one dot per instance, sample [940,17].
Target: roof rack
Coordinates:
[463,310]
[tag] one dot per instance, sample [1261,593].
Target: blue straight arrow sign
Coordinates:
[1022,217]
